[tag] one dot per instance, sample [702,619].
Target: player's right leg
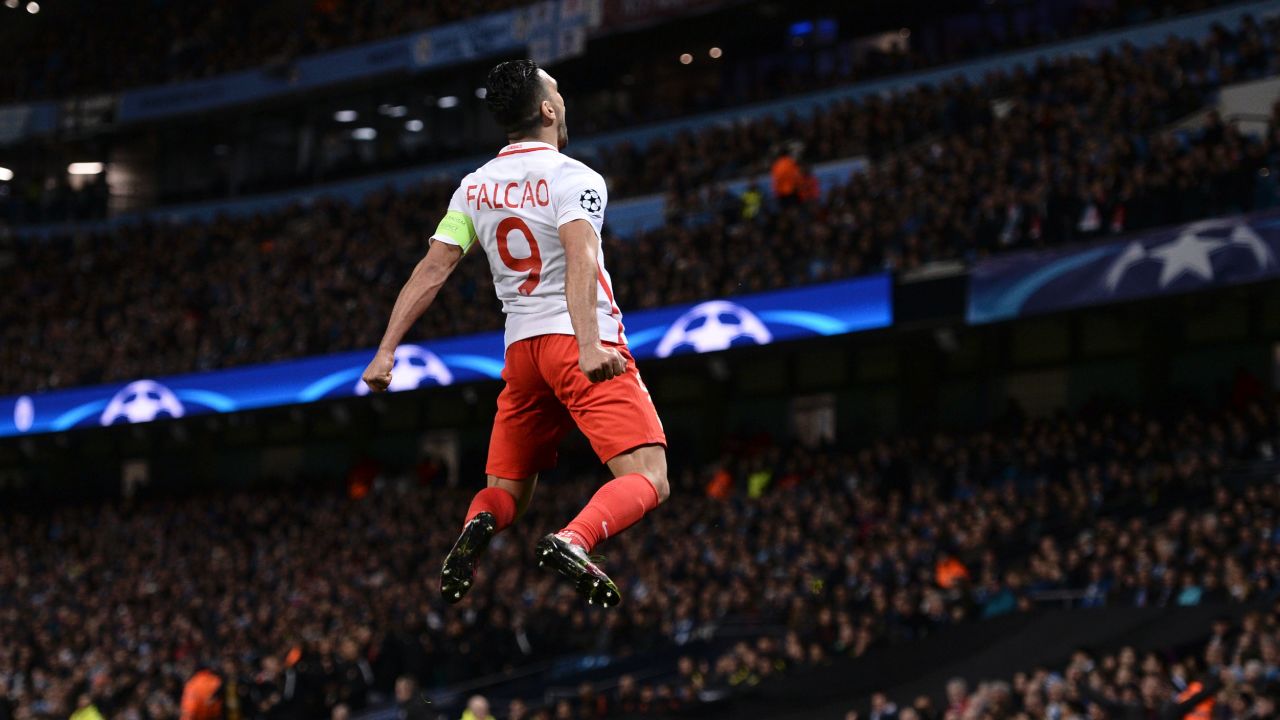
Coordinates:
[527,430]
[639,485]
[619,419]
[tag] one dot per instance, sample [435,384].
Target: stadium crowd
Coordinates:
[1235,675]
[1082,153]
[649,94]
[879,126]
[308,601]
[305,599]
[58,54]
[1123,96]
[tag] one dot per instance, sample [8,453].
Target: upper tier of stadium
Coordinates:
[78,47]
[1083,152]
[35,198]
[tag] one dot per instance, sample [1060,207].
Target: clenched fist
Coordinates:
[600,363]
[378,375]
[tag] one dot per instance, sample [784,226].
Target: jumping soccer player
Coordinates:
[537,213]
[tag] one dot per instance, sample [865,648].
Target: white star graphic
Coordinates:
[1188,253]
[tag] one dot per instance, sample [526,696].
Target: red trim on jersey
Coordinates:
[613,308]
[505,153]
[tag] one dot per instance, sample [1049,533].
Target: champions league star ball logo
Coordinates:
[711,326]
[590,201]
[413,367]
[1191,253]
[142,401]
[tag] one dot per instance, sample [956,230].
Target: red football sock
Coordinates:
[497,501]
[616,506]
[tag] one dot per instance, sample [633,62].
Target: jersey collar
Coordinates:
[525,147]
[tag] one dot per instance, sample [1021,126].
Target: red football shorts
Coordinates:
[547,393]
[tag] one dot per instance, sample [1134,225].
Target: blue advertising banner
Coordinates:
[1198,256]
[820,310]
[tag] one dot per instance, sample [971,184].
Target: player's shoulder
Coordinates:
[573,173]
[570,164]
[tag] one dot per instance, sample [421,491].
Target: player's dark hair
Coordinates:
[514,93]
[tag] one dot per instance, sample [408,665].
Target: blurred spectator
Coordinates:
[950,572]
[477,709]
[86,710]
[882,709]
[202,696]
[787,176]
[808,191]
[410,705]
[752,202]
[720,487]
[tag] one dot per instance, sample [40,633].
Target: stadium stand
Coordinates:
[871,564]
[60,54]
[1084,152]
[304,600]
[734,81]
[1233,676]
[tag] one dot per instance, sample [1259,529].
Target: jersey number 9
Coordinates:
[531,264]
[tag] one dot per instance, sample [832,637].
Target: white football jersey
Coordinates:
[514,205]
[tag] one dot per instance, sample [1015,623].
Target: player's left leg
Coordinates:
[527,429]
[492,510]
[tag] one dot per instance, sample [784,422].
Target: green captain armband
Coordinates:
[457,227]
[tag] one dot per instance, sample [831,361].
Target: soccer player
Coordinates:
[537,213]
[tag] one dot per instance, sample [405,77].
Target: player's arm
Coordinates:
[581,247]
[451,240]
